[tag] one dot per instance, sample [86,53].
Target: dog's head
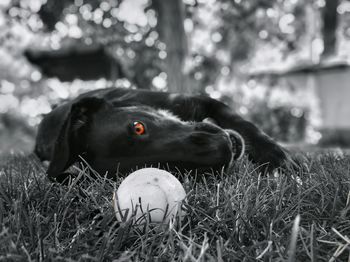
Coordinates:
[123,137]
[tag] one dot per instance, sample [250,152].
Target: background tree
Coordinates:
[330,25]
[192,46]
[170,26]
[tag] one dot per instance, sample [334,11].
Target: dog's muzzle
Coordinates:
[237,141]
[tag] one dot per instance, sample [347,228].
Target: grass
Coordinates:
[299,215]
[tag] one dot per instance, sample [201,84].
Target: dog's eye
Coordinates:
[139,128]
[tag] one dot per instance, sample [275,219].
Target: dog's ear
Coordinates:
[70,140]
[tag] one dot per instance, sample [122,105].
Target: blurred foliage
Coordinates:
[335,138]
[226,40]
[282,123]
[284,112]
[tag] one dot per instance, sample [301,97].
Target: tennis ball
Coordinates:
[148,193]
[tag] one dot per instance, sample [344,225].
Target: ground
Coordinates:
[240,215]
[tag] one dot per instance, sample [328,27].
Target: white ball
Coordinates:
[148,193]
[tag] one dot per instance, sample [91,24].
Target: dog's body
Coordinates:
[122,129]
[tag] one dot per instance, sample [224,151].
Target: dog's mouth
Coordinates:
[236,140]
[237,144]
[217,153]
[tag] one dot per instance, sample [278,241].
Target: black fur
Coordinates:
[97,126]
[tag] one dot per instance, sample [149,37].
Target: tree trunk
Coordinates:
[171,31]
[330,24]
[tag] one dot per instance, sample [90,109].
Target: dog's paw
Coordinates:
[269,155]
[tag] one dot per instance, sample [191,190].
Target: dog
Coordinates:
[117,130]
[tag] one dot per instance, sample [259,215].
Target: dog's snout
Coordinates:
[199,139]
[205,133]
[208,128]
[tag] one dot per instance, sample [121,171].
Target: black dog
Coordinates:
[122,129]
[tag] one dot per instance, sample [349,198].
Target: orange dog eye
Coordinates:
[139,128]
